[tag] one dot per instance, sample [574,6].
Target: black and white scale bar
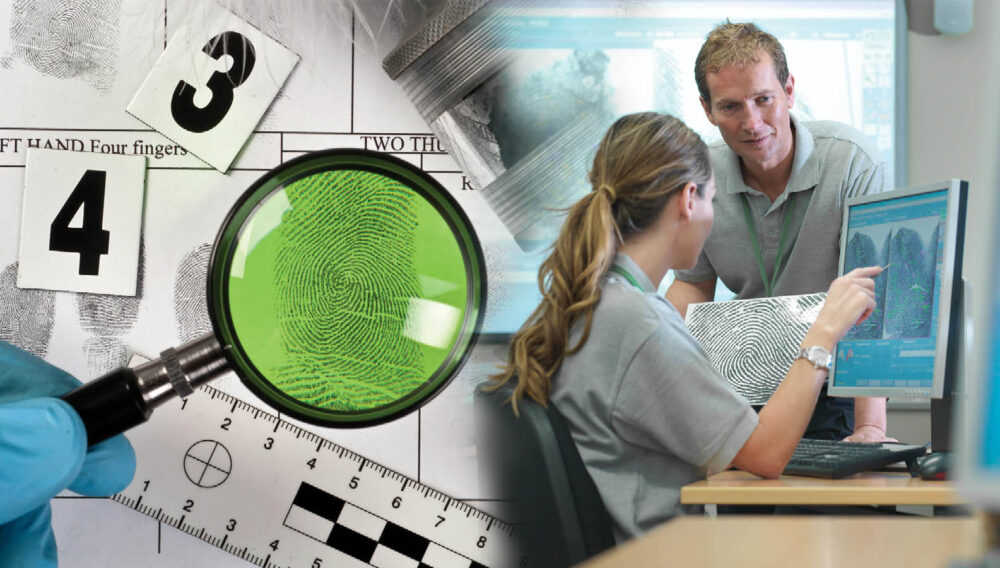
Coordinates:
[367,537]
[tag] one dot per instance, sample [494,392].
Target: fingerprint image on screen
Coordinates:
[904,292]
[347,289]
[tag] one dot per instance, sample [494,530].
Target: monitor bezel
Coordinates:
[936,390]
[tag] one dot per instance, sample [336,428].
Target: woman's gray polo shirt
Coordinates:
[647,410]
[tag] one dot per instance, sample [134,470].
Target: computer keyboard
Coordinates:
[832,459]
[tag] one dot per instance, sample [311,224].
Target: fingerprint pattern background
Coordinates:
[190,303]
[754,342]
[524,116]
[669,95]
[67,39]
[500,295]
[343,287]
[26,316]
[107,320]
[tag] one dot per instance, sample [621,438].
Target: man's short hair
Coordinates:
[736,44]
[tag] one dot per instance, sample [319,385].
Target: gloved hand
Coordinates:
[43,450]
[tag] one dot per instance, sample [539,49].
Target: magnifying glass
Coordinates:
[346,288]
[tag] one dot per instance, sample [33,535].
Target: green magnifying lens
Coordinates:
[346,288]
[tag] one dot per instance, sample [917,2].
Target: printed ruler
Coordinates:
[280,496]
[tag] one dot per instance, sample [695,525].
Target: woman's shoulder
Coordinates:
[622,303]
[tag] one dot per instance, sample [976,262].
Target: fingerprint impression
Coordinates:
[26,316]
[500,294]
[190,285]
[107,319]
[67,39]
[754,342]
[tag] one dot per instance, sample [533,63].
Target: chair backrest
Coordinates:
[534,466]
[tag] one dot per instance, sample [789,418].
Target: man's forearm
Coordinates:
[682,294]
[870,411]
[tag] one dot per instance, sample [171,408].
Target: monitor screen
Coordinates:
[613,58]
[916,235]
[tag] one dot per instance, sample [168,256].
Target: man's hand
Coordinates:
[869,434]
[869,420]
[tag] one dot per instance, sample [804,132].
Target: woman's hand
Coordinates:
[850,300]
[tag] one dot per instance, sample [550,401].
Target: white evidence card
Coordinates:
[81,220]
[212,84]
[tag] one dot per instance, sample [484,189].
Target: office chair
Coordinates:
[534,466]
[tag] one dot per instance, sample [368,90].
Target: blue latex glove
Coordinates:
[43,450]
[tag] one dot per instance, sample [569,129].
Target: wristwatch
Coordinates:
[818,356]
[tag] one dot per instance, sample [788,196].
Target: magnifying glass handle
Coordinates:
[126,397]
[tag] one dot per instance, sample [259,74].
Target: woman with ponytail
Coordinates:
[647,410]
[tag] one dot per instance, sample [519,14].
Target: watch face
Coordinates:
[820,357]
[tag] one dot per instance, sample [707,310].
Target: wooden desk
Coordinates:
[735,487]
[803,542]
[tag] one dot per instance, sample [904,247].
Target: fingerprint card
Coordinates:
[754,342]
[212,85]
[81,220]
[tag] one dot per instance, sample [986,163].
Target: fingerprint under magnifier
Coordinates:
[342,272]
[343,289]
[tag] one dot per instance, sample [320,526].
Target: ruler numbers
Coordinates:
[277,495]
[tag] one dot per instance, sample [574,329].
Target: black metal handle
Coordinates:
[109,405]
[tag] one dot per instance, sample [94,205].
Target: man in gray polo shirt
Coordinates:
[781,187]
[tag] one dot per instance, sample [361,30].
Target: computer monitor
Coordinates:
[909,346]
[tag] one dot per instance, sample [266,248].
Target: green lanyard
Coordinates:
[785,226]
[631,279]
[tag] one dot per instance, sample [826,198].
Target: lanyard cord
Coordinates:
[785,226]
[631,279]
